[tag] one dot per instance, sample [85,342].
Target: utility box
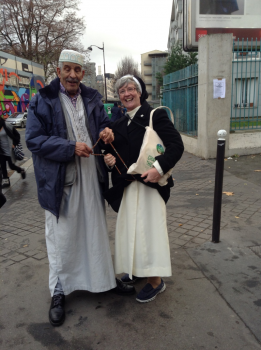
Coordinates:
[108,108]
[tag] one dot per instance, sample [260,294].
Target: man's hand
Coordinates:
[109,160]
[151,175]
[82,150]
[107,135]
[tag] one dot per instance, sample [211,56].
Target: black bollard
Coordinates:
[221,144]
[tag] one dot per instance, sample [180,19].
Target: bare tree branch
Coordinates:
[127,65]
[39,30]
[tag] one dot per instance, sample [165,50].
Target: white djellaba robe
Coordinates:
[141,237]
[78,244]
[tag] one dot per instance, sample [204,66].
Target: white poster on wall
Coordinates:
[219,88]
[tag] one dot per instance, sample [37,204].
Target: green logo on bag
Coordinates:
[150,161]
[160,149]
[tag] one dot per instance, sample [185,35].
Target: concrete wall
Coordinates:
[215,62]
[244,143]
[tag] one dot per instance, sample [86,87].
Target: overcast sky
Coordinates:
[127,28]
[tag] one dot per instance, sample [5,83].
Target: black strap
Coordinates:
[134,121]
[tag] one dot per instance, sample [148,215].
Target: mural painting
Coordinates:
[18,86]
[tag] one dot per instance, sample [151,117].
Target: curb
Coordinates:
[15,177]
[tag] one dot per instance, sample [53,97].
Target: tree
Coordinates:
[39,30]
[177,60]
[127,65]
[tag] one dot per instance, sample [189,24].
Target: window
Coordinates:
[246,91]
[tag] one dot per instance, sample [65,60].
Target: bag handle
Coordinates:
[151,114]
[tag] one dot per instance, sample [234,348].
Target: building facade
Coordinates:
[176,24]
[20,80]
[110,84]
[89,78]
[152,62]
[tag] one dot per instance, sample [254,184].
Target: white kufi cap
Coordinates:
[72,56]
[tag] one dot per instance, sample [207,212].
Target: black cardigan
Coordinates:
[128,141]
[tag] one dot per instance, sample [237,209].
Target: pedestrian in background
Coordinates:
[116,112]
[9,138]
[65,120]
[2,197]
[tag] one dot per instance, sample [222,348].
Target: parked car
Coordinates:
[17,119]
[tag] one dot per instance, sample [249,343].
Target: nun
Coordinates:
[141,238]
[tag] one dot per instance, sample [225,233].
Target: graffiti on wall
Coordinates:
[17,90]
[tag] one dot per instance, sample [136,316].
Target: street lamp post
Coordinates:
[102,48]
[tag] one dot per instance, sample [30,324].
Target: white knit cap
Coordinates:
[72,56]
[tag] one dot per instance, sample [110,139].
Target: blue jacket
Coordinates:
[46,138]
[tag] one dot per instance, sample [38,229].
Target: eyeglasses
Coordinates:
[129,90]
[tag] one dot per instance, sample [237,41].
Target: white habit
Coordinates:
[78,244]
[141,237]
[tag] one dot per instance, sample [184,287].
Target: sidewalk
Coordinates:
[212,301]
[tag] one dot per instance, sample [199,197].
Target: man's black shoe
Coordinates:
[126,279]
[123,289]
[56,312]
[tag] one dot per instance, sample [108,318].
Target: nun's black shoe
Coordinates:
[123,289]
[56,312]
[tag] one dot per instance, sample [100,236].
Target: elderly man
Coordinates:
[65,120]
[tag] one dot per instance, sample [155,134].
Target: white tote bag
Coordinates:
[152,146]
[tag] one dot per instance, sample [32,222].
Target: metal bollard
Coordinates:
[221,144]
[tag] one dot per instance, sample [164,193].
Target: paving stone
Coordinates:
[10,254]
[192,233]
[6,235]
[197,229]
[181,230]
[187,226]
[23,233]
[197,219]
[174,234]
[198,240]
[190,244]
[18,258]
[185,238]
[40,256]
[7,263]
[23,249]
[187,217]
[31,253]
[208,221]
[180,242]
[204,236]
[4,251]
[9,229]
[3,259]
[174,246]
[203,225]
[21,240]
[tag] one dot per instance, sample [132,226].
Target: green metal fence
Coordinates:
[180,94]
[246,98]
